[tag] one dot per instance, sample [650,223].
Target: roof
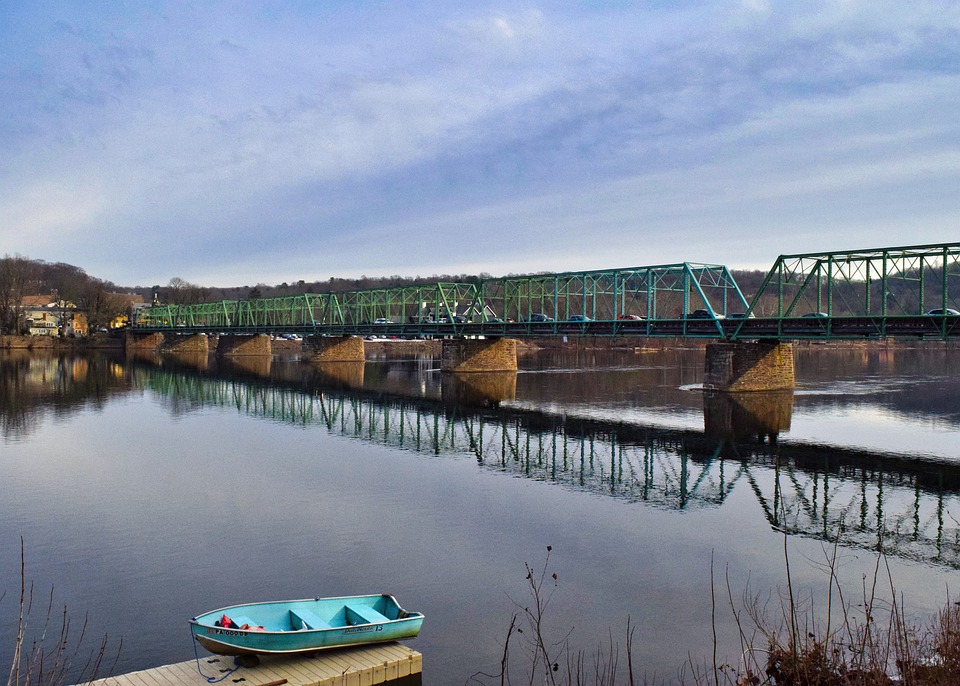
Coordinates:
[37,300]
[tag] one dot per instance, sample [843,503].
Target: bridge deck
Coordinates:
[787,328]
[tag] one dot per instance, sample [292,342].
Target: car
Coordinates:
[382,320]
[631,318]
[817,315]
[579,318]
[703,314]
[741,315]
[494,320]
[540,317]
[940,312]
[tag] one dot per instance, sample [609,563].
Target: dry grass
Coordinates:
[785,640]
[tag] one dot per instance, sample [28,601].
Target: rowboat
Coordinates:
[300,626]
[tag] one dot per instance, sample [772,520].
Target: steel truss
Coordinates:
[656,300]
[879,292]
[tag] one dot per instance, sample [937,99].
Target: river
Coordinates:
[149,490]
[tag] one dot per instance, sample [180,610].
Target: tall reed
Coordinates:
[49,655]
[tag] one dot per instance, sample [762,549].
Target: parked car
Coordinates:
[540,317]
[703,314]
[940,312]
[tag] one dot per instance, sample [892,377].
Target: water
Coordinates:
[149,491]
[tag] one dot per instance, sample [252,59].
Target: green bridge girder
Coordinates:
[879,292]
[541,304]
[904,291]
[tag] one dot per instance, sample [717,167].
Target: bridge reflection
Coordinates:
[903,505]
[906,505]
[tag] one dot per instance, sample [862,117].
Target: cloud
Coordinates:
[48,213]
[546,136]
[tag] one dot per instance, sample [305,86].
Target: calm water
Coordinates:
[147,491]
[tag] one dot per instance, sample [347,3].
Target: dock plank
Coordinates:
[361,666]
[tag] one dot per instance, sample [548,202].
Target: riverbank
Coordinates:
[52,343]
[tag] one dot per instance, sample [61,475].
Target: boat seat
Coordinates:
[305,619]
[240,621]
[366,614]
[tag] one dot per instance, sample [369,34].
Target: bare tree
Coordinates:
[16,275]
[68,283]
[179,291]
[100,305]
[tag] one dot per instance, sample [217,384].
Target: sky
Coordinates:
[235,143]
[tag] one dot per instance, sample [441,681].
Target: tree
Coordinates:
[182,292]
[68,283]
[16,275]
[100,305]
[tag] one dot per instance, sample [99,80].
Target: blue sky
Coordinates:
[236,143]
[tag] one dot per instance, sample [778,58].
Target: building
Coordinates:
[45,315]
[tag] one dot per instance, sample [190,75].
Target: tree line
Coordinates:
[101,301]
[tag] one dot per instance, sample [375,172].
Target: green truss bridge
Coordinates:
[911,291]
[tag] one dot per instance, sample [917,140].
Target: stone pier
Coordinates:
[333,349]
[467,355]
[231,345]
[748,366]
[193,344]
[142,342]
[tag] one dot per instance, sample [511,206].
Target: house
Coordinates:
[45,315]
[133,303]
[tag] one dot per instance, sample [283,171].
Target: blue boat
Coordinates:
[301,626]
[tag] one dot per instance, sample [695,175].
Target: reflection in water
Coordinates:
[340,375]
[760,416]
[877,500]
[250,366]
[479,389]
[32,386]
[194,361]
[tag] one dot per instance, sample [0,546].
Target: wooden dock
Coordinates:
[361,666]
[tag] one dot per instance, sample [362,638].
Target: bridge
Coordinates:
[911,291]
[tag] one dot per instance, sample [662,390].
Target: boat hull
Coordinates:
[333,623]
